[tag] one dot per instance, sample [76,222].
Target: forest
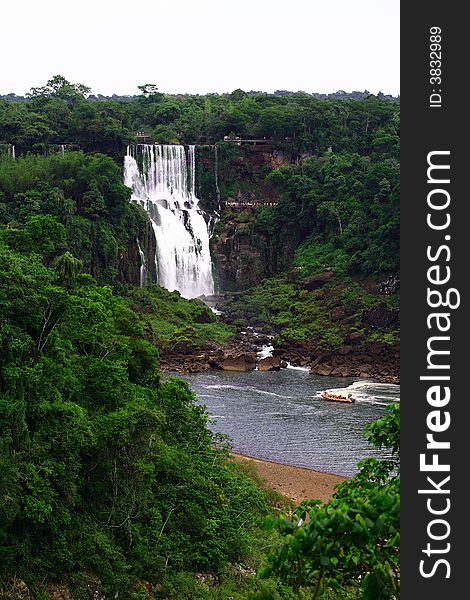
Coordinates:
[111,482]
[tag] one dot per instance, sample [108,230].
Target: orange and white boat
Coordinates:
[337,397]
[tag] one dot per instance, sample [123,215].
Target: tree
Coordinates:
[68,267]
[353,540]
[59,87]
[149,90]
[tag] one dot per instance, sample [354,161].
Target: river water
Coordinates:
[280,416]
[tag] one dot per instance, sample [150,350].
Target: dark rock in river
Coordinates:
[242,362]
[271,363]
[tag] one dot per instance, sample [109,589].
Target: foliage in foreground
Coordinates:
[104,469]
[352,542]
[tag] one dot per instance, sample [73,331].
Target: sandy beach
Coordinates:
[295,483]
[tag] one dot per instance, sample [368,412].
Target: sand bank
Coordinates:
[295,483]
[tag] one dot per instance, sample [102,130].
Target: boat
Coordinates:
[337,397]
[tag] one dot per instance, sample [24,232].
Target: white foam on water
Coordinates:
[266,352]
[293,368]
[370,392]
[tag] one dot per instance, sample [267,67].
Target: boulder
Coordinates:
[380,316]
[283,364]
[183,347]
[376,349]
[355,336]
[323,369]
[317,281]
[241,362]
[338,313]
[344,350]
[271,363]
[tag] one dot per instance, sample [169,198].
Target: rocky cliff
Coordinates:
[231,181]
[130,260]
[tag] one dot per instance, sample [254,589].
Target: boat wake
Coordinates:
[246,389]
[369,392]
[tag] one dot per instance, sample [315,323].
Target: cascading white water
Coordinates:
[143,268]
[164,186]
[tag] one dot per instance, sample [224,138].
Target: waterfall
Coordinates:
[163,182]
[143,269]
[11,151]
[62,149]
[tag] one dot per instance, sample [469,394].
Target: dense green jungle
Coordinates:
[112,485]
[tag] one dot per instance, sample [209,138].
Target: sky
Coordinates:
[202,46]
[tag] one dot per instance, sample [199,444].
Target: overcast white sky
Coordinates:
[199,46]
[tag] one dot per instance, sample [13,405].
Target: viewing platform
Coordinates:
[142,137]
[248,204]
[254,141]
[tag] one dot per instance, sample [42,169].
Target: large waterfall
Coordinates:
[163,181]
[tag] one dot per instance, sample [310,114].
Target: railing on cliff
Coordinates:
[254,141]
[248,204]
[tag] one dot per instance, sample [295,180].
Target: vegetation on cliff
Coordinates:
[172,322]
[339,211]
[86,194]
[325,317]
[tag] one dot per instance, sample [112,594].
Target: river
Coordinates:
[280,416]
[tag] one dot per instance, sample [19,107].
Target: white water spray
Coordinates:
[163,181]
[143,268]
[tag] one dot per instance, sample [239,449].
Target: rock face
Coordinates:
[374,361]
[242,363]
[240,354]
[129,260]
[271,363]
[241,252]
